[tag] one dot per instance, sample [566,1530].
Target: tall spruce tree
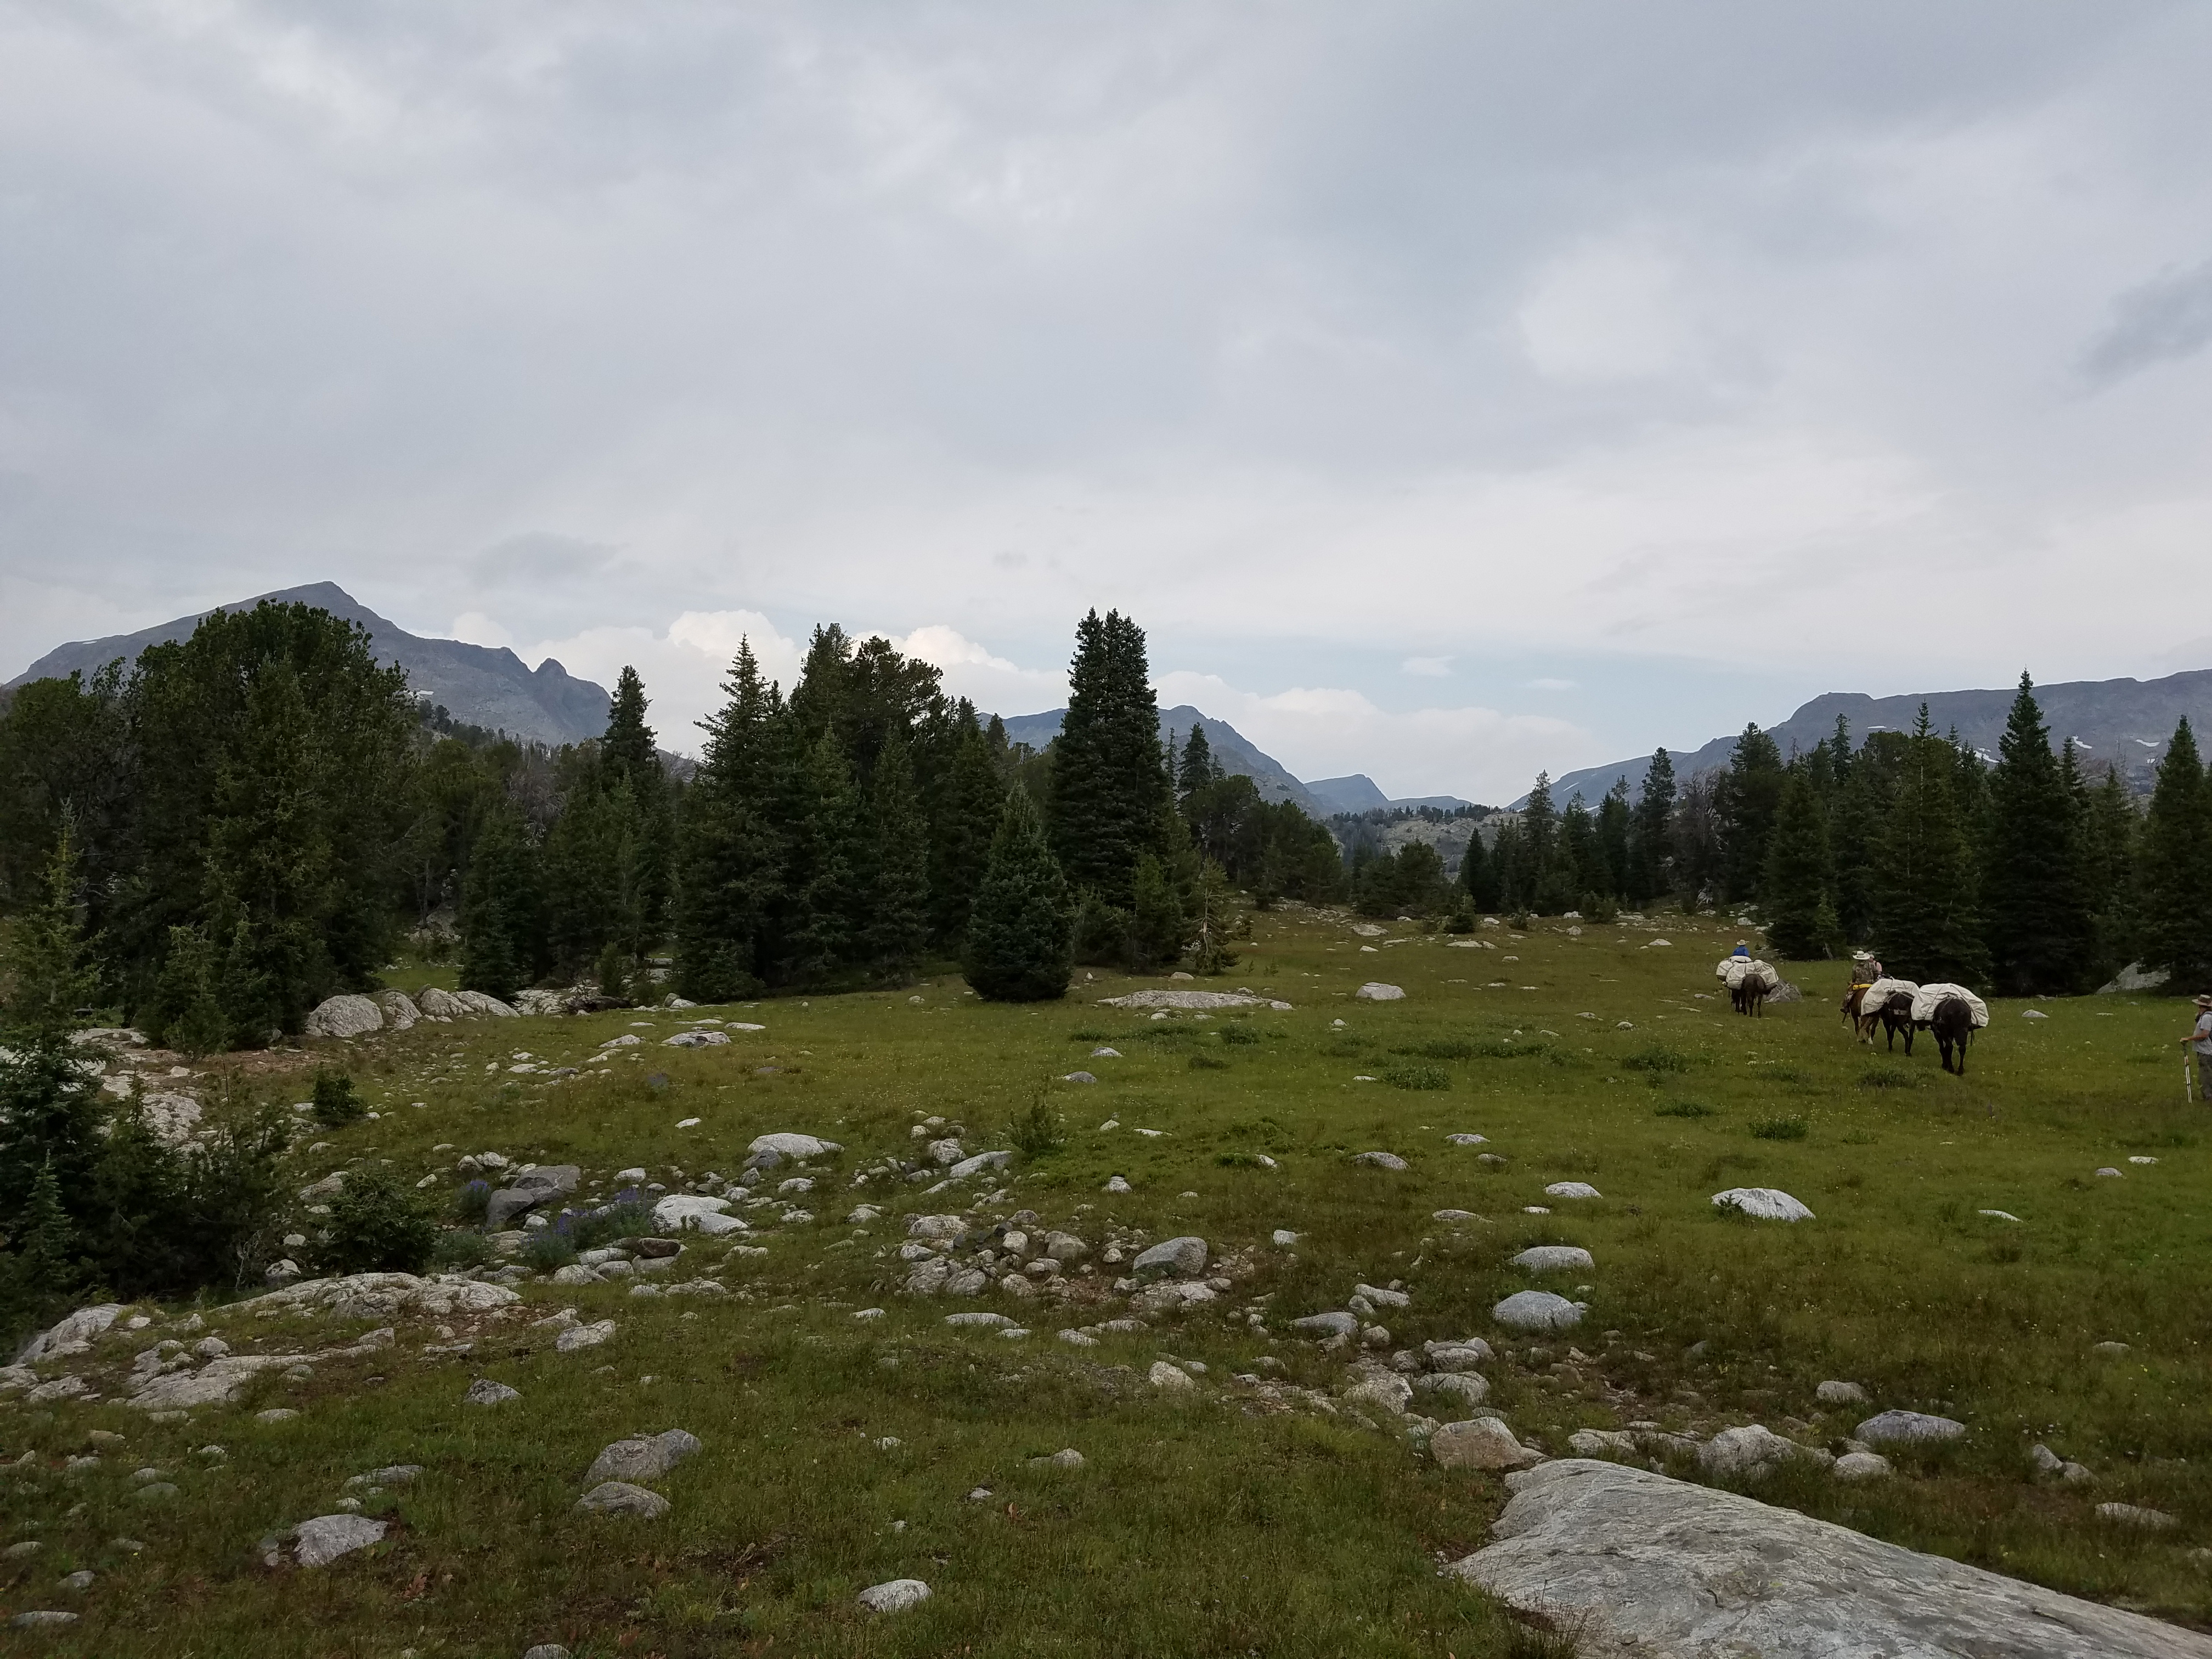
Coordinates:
[1801,920]
[53,973]
[1748,795]
[502,927]
[631,774]
[2111,822]
[822,879]
[731,850]
[969,806]
[1199,767]
[2035,901]
[1018,943]
[1614,816]
[2174,868]
[895,930]
[1927,920]
[1650,833]
[1478,873]
[1109,778]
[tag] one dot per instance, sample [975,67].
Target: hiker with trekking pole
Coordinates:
[2199,1037]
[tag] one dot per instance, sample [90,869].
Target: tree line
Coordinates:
[2033,873]
[256,817]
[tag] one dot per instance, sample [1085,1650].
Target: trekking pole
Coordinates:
[2188,1083]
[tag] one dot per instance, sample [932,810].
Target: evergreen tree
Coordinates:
[2174,866]
[49,1119]
[502,930]
[583,865]
[895,931]
[1925,911]
[972,802]
[54,974]
[1156,919]
[1801,921]
[1478,873]
[2035,901]
[628,751]
[1199,767]
[1110,780]
[732,852]
[822,879]
[1508,860]
[1748,795]
[186,1014]
[2109,824]
[1018,934]
[1651,834]
[630,773]
[1574,874]
[1614,818]
[47,1267]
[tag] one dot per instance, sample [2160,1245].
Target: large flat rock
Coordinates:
[1636,1565]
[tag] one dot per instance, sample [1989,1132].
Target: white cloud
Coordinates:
[478,629]
[1548,685]
[1435,668]
[995,685]
[1320,731]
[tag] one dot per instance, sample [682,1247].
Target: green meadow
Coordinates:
[1235,1517]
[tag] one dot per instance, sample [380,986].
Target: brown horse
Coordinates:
[1750,993]
[1854,1015]
[1895,1015]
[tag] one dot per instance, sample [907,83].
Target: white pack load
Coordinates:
[1731,971]
[1764,975]
[1925,998]
[1882,990]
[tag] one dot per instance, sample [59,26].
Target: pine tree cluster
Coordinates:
[2031,874]
[245,823]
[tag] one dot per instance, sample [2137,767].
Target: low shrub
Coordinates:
[461,1248]
[473,1202]
[1240,1161]
[1683,1109]
[1417,1077]
[1239,1036]
[377,1225]
[1657,1058]
[1887,1076]
[1039,1133]
[548,1248]
[1779,1128]
[1091,1034]
[1208,1063]
[336,1100]
[1443,1049]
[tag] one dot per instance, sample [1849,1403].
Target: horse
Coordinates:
[1895,1015]
[1953,1023]
[1749,993]
[1853,996]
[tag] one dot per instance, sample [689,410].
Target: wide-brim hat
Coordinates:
[2204,1002]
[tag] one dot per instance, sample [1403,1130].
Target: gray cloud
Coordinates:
[2162,321]
[1637,341]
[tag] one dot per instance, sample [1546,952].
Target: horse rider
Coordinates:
[1865,970]
[2200,1035]
[1742,951]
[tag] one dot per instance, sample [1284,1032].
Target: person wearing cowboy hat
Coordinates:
[1743,949]
[2200,1035]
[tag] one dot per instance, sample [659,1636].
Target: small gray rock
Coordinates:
[42,1618]
[485,1392]
[1379,1160]
[643,1458]
[1185,1257]
[2135,1515]
[546,1650]
[1537,1310]
[1554,1259]
[896,1596]
[1326,1324]
[620,1498]
[1840,1394]
[1861,1466]
[82,1579]
[1907,1428]
[323,1539]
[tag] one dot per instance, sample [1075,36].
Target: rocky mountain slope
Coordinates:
[1231,747]
[2125,723]
[475,684]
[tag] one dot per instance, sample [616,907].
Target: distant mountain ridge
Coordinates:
[480,685]
[1231,748]
[2125,723]
[1361,793]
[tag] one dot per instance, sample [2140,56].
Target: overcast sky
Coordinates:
[1450,390]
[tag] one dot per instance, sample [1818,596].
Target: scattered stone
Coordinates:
[2108,1348]
[1328,1324]
[896,1597]
[584,1336]
[485,1392]
[696,1040]
[1193,1000]
[546,1650]
[1079,1077]
[1464,1386]
[72,1335]
[343,1016]
[1386,1391]
[1379,1160]
[1065,1247]
[1460,1354]
[1481,1443]
[643,1458]
[1907,1428]
[82,1579]
[1762,1204]
[2034,1013]
[1105,1053]
[620,1498]
[1185,1256]
[1467,1140]
[1116,1184]
[1571,1189]
[1602,1442]
[1173,1378]
[1840,1394]
[977,1321]
[1537,1310]
[2134,1514]
[42,1618]
[2111,1173]
[788,1144]
[698,1213]
[1998,1215]
[1861,1466]
[1375,991]
[1554,1259]
[1079,1339]
[1748,1451]
[320,1541]
[1068,1458]
[1635,1562]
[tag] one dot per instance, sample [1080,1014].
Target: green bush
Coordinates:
[1683,1109]
[473,1202]
[336,1100]
[1038,1132]
[1887,1076]
[1239,1036]
[1779,1128]
[1655,1058]
[1240,1161]
[377,1225]
[1417,1077]
[1447,1049]
[548,1249]
[462,1248]
[1208,1063]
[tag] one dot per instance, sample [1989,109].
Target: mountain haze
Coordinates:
[478,685]
[2125,723]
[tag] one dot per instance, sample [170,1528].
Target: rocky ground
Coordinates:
[1249,1361]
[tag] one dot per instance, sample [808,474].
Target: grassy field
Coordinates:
[1215,1521]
